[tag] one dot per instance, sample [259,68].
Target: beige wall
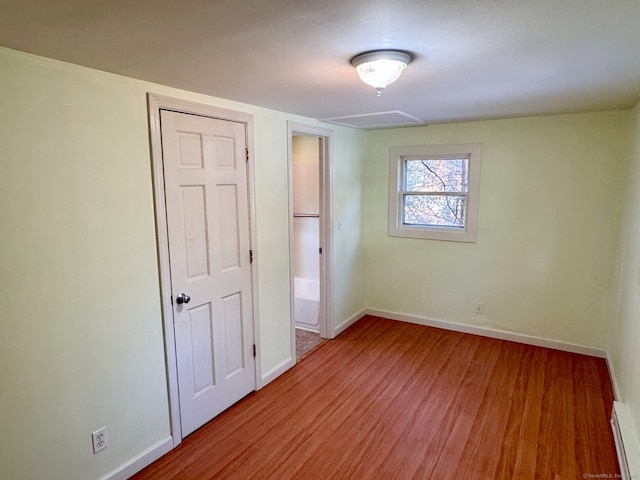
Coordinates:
[626,338]
[550,209]
[81,343]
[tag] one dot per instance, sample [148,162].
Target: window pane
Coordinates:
[434,210]
[443,175]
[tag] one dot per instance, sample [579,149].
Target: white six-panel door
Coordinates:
[207,208]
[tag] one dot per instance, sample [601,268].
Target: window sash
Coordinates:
[452,224]
[405,160]
[404,193]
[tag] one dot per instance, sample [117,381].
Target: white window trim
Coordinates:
[396,157]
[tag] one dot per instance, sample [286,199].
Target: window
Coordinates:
[433,192]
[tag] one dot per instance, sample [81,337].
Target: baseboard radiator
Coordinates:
[626,441]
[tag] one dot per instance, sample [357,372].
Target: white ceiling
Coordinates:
[473,59]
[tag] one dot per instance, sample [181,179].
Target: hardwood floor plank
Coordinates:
[493,415]
[392,400]
[556,424]
[465,394]
[520,445]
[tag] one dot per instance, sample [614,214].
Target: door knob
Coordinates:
[182,298]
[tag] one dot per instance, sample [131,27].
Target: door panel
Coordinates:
[190,153]
[229,247]
[232,307]
[200,334]
[195,231]
[208,222]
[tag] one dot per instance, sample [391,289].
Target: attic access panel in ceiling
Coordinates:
[394,118]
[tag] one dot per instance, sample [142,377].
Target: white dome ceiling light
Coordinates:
[380,68]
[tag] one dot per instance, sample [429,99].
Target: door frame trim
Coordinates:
[156,103]
[327,329]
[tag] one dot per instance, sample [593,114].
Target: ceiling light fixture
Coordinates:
[381,67]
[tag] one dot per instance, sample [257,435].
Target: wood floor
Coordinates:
[390,400]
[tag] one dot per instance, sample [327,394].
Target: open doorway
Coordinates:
[310,249]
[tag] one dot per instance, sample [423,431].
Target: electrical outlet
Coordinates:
[479,309]
[99,439]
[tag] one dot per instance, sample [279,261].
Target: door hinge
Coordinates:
[320,250]
[250,256]
[254,350]
[247,152]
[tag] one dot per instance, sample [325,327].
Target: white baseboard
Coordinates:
[276,371]
[492,333]
[348,322]
[614,378]
[140,461]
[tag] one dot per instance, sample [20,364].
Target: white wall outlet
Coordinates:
[99,439]
[479,308]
